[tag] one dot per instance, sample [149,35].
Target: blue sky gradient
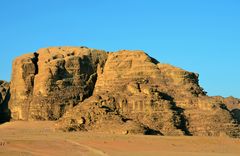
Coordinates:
[200,36]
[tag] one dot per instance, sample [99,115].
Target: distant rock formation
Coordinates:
[233,104]
[4,98]
[117,92]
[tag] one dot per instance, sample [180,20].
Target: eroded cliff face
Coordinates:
[47,83]
[118,92]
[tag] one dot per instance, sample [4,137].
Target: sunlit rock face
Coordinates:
[47,83]
[116,92]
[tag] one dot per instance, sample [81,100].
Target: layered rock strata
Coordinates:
[118,92]
[48,82]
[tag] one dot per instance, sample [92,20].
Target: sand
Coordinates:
[22,138]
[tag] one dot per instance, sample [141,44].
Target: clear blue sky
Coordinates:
[202,36]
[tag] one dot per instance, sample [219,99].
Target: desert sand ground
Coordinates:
[23,138]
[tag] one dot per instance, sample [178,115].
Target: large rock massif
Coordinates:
[117,92]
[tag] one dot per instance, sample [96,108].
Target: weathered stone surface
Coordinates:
[4,98]
[233,104]
[46,83]
[118,92]
[96,114]
[165,99]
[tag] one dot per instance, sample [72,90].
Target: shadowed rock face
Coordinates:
[120,92]
[4,98]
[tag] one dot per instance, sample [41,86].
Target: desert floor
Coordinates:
[39,138]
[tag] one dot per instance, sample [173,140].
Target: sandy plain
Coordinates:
[38,138]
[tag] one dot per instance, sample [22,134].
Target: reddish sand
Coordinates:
[39,138]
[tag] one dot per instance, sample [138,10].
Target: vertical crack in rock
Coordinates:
[35,62]
[92,65]
[180,120]
[178,117]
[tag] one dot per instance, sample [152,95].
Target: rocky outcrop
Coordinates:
[48,82]
[118,92]
[4,98]
[233,104]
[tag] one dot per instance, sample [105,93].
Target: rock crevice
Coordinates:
[5,113]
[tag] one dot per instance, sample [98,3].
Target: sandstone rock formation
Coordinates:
[118,92]
[233,104]
[4,98]
[46,83]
